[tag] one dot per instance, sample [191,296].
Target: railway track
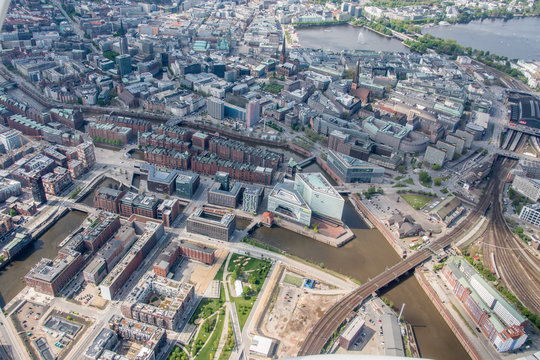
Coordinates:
[324,328]
[518,268]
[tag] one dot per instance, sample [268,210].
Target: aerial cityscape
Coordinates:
[269,179]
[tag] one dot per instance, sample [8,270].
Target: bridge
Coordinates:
[323,329]
[310,160]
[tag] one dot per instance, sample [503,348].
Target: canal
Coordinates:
[366,256]
[46,246]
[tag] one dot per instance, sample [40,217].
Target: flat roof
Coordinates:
[317,182]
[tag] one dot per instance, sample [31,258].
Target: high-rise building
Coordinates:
[186,184]
[38,191]
[287,203]
[321,197]
[216,108]
[124,64]
[124,46]
[86,154]
[252,113]
[222,178]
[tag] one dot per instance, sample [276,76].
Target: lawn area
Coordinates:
[293,280]
[219,274]
[229,344]
[208,306]
[252,272]
[416,201]
[209,350]
[206,329]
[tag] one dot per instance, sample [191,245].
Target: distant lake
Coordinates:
[347,37]
[515,38]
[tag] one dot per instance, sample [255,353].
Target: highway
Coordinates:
[330,321]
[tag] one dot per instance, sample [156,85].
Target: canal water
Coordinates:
[366,256]
[515,38]
[107,182]
[347,37]
[46,246]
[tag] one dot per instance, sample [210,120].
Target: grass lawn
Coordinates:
[219,274]
[229,345]
[208,306]
[417,201]
[243,307]
[409,181]
[204,334]
[293,280]
[238,261]
[209,350]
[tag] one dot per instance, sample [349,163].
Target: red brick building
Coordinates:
[108,199]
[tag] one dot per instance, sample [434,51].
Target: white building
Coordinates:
[531,214]
[319,194]
[527,187]
[11,139]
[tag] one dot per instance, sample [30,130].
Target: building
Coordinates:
[216,108]
[56,182]
[217,195]
[168,210]
[100,230]
[119,275]
[160,181]
[95,271]
[351,333]
[320,196]
[223,179]
[75,168]
[252,196]
[448,210]
[108,199]
[86,154]
[253,109]
[151,337]
[352,170]
[106,340]
[531,214]
[187,184]
[529,188]
[11,139]
[38,191]
[530,167]
[497,319]
[9,188]
[285,202]
[197,252]
[435,156]
[49,276]
[175,298]
[140,204]
[69,117]
[124,64]
[212,223]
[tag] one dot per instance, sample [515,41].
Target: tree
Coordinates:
[13,212]
[424,177]
[437,181]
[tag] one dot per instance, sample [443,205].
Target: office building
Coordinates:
[216,108]
[253,109]
[108,199]
[86,154]
[285,202]
[353,170]
[530,167]
[124,64]
[119,275]
[38,191]
[100,230]
[49,276]
[56,182]
[168,210]
[529,188]
[223,179]
[216,224]
[9,188]
[435,155]
[320,196]
[531,214]
[140,204]
[227,198]
[11,139]
[160,181]
[251,198]
[187,184]
[351,333]
[95,271]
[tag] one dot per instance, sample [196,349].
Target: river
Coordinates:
[46,246]
[365,256]
[515,38]
[347,37]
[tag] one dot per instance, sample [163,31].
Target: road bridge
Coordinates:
[307,162]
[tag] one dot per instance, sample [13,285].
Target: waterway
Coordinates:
[89,199]
[347,37]
[46,246]
[366,256]
[514,38]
